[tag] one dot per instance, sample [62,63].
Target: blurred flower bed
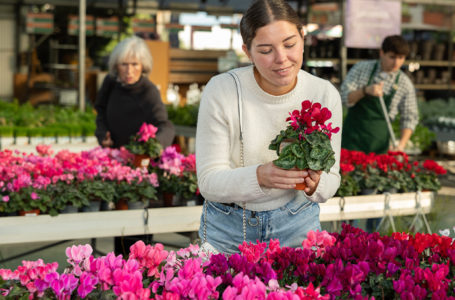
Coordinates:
[52,182]
[352,264]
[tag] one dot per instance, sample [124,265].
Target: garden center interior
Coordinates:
[48,59]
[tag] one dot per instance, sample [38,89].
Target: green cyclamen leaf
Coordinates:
[330,162]
[286,162]
[315,165]
[287,150]
[302,163]
[296,150]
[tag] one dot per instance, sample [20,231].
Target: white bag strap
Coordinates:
[242,162]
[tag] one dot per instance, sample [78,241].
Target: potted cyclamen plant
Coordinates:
[306,140]
[144,145]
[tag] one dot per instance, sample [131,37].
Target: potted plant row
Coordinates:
[391,172]
[99,177]
[351,264]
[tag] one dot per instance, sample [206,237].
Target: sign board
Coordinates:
[107,27]
[73,25]
[368,22]
[40,23]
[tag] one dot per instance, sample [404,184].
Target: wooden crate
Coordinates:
[193,66]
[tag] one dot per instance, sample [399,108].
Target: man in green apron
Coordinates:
[365,127]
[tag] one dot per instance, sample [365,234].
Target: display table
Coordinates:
[43,228]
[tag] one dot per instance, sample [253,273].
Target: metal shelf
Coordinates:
[62,67]
[423,27]
[428,63]
[63,46]
[424,63]
[432,86]
[435,2]
[317,59]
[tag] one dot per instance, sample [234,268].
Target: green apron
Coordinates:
[365,128]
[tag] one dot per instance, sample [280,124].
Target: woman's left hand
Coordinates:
[312,181]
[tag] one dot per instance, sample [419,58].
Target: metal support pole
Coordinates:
[343,49]
[81,93]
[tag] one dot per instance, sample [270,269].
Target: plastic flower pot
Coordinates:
[94,206]
[107,206]
[136,205]
[69,209]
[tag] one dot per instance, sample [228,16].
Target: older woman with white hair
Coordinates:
[127,98]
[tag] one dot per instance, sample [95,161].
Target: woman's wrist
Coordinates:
[364,90]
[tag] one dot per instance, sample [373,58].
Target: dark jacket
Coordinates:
[123,108]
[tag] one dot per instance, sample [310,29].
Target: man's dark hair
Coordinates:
[395,44]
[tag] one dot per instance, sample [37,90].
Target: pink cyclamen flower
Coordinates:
[146,132]
[34,196]
[44,150]
[5,198]
[77,254]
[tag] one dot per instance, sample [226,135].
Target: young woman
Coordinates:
[247,196]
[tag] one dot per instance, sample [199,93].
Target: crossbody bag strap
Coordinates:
[242,162]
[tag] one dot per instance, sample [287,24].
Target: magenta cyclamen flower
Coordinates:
[252,252]
[64,286]
[87,284]
[245,288]
[171,161]
[146,132]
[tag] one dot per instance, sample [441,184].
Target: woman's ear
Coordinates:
[245,50]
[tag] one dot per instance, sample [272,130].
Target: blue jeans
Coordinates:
[289,224]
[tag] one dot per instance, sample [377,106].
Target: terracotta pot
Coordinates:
[122,204]
[168,199]
[27,213]
[141,161]
[300,186]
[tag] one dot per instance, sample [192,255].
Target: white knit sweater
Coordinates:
[220,175]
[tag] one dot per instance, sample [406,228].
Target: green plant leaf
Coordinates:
[285,162]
